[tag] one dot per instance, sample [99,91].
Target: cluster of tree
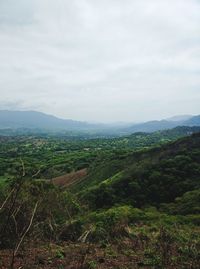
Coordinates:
[144,178]
[33,210]
[55,156]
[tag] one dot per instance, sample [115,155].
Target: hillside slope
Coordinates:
[136,209]
[147,177]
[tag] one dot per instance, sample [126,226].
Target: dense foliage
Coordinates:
[55,155]
[141,191]
[148,177]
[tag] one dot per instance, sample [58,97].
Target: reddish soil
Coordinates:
[69,179]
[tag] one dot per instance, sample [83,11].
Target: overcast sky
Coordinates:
[101,60]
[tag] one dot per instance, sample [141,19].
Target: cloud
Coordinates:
[101,60]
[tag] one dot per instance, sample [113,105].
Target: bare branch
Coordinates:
[27,230]
[23,168]
[2,206]
[36,173]
[15,222]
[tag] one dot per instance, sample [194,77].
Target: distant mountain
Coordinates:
[180,118]
[194,121]
[153,126]
[38,122]
[34,120]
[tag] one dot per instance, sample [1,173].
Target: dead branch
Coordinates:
[23,168]
[4,203]
[36,173]
[15,222]
[28,228]
[23,236]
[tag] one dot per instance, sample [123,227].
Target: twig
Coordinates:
[23,236]
[27,230]
[23,168]
[2,206]
[36,173]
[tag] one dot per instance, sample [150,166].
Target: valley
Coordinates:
[83,198]
[99,134]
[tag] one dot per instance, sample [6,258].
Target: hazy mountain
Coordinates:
[152,126]
[180,118]
[36,120]
[33,119]
[194,121]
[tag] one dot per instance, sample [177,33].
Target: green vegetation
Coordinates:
[148,177]
[56,155]
[138,206]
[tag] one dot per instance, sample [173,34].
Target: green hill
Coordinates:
[146,177]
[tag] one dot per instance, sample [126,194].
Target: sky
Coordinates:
[101,60]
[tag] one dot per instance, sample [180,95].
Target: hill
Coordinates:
[194,121]
[152,126]
[180,118]
[34,119]
[33,122]
[146,177]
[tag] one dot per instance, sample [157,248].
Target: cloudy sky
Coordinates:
[101,60]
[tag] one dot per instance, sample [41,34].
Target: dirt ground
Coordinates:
[70,256]
[84,256]
[70,178]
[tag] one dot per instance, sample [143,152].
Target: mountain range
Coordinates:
[38,120]
[152,126]
[34,119]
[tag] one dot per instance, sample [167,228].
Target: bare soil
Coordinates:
[70,178]
[69,256]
